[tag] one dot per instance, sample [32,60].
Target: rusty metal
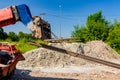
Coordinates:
[83,56]
[59,40]
[9,63]
[42,28]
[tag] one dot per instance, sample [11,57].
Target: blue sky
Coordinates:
[72,12]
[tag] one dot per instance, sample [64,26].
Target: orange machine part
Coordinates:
[6,17]
[6,14]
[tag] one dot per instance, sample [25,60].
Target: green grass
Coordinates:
[23,46]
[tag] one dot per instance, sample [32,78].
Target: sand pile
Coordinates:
[101,50]
[47,58]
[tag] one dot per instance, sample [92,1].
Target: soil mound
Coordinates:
[101,50]
[47,58]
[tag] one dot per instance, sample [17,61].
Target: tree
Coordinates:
[21,35]
[114,35]
[97,26]
[80,33]
[3,35]
[13,36]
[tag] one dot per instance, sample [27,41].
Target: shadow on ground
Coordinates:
[24,75]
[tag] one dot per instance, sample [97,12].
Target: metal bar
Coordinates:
[108,63]
[62,39]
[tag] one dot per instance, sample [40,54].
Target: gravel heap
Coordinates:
[47,58]
[101,50]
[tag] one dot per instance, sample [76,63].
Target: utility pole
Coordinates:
[60,17]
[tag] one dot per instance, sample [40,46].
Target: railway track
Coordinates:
[83,56]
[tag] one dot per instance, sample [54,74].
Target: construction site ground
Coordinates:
[43,64]
[96,72]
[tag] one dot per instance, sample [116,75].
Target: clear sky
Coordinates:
[70,13]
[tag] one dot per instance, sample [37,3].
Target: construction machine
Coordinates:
[9,55]
[39,27]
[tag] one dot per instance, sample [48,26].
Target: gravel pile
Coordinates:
[101,50]
[47,58]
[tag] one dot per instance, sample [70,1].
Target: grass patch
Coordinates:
[22,44]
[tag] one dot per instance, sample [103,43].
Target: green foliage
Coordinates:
[3,35]
[23,46]
[97,26]
[13,36]
[114,36]
[80,33]
[22,35]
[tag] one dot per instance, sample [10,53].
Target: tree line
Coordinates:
[13,36]
[98,28]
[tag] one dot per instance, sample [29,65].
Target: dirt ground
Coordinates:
[43,64]
[93,72]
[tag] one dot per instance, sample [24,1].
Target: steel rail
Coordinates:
[83,56]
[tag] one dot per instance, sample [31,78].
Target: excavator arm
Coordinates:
[13,14]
